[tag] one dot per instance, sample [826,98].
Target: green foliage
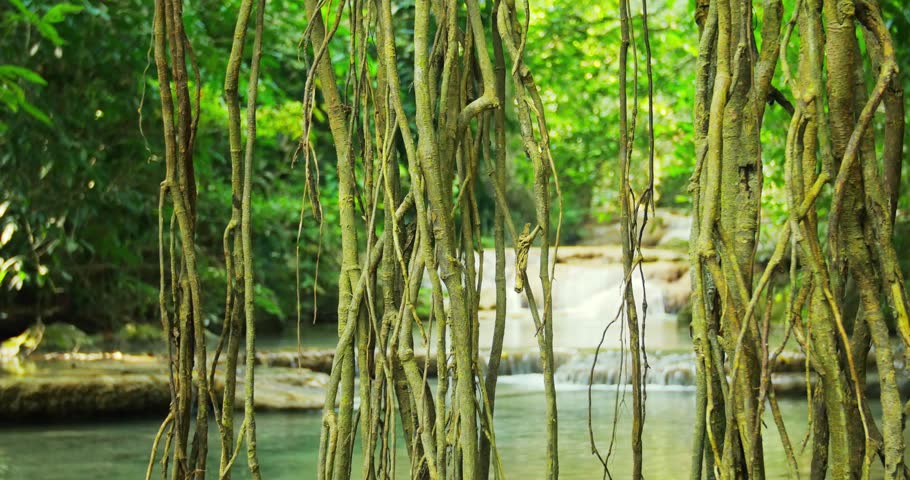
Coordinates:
[79,182]
[12,95]
[44,23]
[136,335]
[78,193]
[575,49]
[63,337]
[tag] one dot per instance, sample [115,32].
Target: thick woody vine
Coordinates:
[415,177]
[192,379]
[830,165]
[410,162]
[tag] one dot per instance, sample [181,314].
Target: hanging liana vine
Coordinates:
[180,291]
[635,211]
[410,161]
[414,171]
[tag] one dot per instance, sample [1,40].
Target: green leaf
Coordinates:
[49,32]
[58,12]
[35,112]
[12,95]
[15,71]
[8,97]
[28,14]
[44,24]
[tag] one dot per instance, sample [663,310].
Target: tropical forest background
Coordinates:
[81,153]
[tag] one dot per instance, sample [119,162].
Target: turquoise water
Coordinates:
[288,441]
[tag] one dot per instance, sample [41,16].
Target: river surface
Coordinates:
[288,441]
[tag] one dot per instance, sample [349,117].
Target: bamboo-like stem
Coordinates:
[626,133]
[499,177]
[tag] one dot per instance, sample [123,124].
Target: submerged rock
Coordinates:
[316,360]
[282,388]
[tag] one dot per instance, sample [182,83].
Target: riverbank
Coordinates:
[81,386]
[68,386]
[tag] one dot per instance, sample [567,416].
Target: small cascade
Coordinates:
[677,370]
[614,368]
[572,367]
[519,363]
[587,295]
[522,362]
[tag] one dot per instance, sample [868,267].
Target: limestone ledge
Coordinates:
[80,386]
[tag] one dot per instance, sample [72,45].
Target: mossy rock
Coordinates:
[141,336]
[68,390]
[676,244]
[79,397]
[63,337]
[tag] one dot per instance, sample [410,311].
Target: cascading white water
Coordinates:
[669,369]
[587,296]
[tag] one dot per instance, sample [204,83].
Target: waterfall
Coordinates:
[666,369]
[587,295]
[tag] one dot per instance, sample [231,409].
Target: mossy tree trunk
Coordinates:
[830,151]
